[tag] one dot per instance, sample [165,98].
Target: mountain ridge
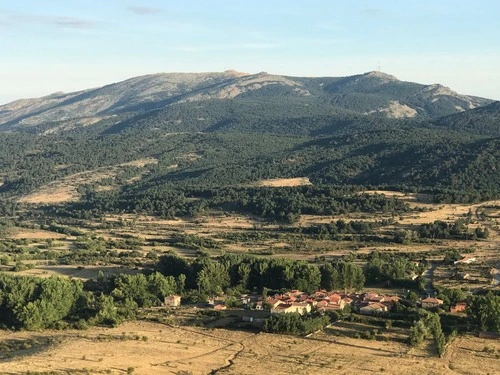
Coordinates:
[371,94]
[230,129]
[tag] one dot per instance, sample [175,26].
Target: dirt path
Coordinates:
[428,276]
[230,361]
[231,347]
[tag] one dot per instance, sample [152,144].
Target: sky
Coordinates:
[70,45]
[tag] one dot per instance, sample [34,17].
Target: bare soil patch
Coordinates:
[65,189]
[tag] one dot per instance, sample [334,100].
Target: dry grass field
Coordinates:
[410,197]
[30,234]
[152,348]
[284,182]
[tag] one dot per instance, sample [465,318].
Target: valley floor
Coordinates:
[151,348]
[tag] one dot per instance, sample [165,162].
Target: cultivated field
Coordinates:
[151,348]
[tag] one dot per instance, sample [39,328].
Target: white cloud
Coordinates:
[14,20]
[73,22]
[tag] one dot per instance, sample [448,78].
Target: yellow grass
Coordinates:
[214,224]
[149,348]
[34,234]
[446,212]
[401,195]
[208,222]
[189,156]
[284,182]
[140,163]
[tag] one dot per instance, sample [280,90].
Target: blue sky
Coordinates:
[64,45]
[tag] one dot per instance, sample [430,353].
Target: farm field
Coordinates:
[152,348]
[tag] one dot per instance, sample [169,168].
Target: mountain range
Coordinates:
[370,94]
[154,140]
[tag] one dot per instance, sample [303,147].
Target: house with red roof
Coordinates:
[460,307]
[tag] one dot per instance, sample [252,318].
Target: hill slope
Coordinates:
[484,120]
[228,130]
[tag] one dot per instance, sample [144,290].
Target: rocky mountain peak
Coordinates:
[380,75]
[374,92]
[235,73]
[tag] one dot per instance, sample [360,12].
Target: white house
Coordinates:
[373,308]
[286,308]
[172,301]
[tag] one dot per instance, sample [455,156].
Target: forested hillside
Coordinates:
[209,148]
[484,120]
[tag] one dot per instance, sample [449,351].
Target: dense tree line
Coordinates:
[390,267]
[32,303]
[288,203]
[247,273]
[283,204]
[484,310]
[442,229]
[457,229]
[333,230]
[429,324]
[342,275]
[35,304]
[295,324]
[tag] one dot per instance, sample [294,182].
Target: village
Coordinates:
[321,301]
